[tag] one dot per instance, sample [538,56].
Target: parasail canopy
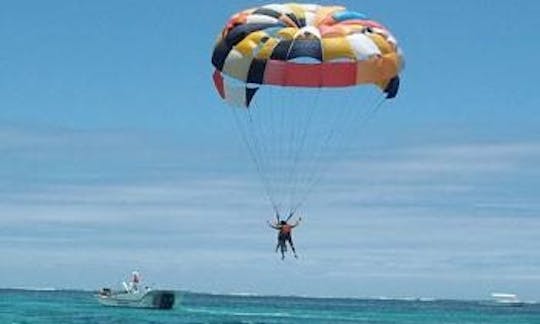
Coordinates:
[303,45]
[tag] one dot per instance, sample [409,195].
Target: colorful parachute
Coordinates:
[305,58]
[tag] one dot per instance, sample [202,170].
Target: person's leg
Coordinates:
[279,241]
[292,246]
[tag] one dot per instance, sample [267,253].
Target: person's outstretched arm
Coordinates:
[272,225]
[297,222]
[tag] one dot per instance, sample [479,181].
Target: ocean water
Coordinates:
[22,306]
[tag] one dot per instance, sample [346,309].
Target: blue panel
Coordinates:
[272,31]
[348,15]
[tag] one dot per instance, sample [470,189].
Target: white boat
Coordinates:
[133,296]
[504,299]
[160,299]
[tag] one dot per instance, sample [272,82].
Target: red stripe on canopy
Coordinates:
[218,82]
[333,74]
[339,74]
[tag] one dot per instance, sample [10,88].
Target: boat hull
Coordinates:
[157,299]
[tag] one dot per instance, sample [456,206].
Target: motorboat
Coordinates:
[160,299]
[504,299]
[136,297]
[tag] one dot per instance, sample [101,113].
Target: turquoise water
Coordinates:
[18,306]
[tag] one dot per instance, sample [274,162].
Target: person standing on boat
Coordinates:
[133,286]
[135,281]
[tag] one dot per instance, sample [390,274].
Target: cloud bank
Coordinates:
[449,219]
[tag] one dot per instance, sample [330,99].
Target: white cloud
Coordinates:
[473,175]
[427,161]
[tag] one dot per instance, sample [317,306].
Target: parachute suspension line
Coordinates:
[291,136]
[337,137]
[292,145]
[267,133]
[291,214]
[282,142]
[258,142]
[320,175]
[364,118]
[251,148]
[278,102]
[258,150]
[288,109]
[273,130]
[302,127]
[252,154]
[333,113]
[281,161]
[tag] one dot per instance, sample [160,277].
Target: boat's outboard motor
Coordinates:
[164,300]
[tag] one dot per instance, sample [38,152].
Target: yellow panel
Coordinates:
[332,31]
[287,33]
[336,47]
[267,48]
[287,21]
[248,44]
[378,70]
[298,11]
[323,12]
[352,29]
[381,43]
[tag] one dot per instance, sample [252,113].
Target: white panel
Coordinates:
[235,95]
[261,19]
[310,7]
[310,18]
[363,46]
[279,8]
[237,65]
[392,39]
[389,37]
[401,57]
[308,29]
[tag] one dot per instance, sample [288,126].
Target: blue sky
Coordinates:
[116,153]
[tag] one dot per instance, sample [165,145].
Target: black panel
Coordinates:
[267,12]
[392,88]
[306,48]
[256,71]
[281,50]
[220,54]
[250,92]
[240,32]
[293,18]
